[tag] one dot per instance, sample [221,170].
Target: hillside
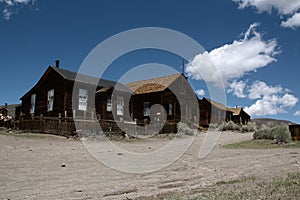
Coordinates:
[269,122]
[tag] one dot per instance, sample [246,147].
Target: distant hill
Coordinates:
[269,122]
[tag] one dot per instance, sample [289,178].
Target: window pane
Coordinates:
[50,99]
[170,109]
[120,105]
[146,108]
[32,105]
[109,105]
[82,100]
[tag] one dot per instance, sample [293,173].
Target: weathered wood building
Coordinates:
[239,116]
[169,98]
[173,93]
[213,112]
[52,96]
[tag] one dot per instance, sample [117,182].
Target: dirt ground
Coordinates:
[53,167]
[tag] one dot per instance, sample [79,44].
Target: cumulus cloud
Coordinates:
[237,88]
[233,60]
[260,89]
[288,9]
[297,113]
[272,105]
[200,92]
[12,6]
[292,22]
[269,100]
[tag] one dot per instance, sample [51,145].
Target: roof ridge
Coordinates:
[178,74]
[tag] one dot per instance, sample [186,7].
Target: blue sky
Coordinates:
[254,44]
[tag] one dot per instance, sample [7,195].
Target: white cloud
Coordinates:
[233,60]
[6,14]
[297,113]
[292,22]
[259,89]
[272,105]
[12,6]
[288,9]
[270,100]
[200,92]
[282,6]
[237,88]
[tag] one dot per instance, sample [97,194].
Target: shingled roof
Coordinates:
[152,85]
[236,111]
[217,104]
[82,78]
[69,75]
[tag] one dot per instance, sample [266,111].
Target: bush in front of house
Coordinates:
[229,126]
[280,134]
[213,125]
[249,127]
[183,128]
[263,134]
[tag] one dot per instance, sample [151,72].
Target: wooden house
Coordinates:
[9,110]
[52,95]
[240,116]
[173,93]
[171,97]
[3,112]
[112,103]
[213,112]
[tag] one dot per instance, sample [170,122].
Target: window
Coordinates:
[108,105]
[146,108]
[50,99]
[120,105]
[82,100]
[170,109]
[32,103]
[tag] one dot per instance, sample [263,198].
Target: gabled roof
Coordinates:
[152,85]
[217,104]
[236,111]
[82,78]
[69,75]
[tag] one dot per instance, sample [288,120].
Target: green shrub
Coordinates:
[183,128]
[281,134]
[249,127]
[213,126]
[226,126]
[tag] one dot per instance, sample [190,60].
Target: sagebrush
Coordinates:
[280,134]
[183,128]
[229,126]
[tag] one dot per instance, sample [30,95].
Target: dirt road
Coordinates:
[57,168]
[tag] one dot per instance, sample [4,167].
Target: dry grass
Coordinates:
[261,144]
[247,188]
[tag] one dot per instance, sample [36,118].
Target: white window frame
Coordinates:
[120,105]
[147,108]
[32,103]
[82,99]
[108,105]
[50,100]
[171,108]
